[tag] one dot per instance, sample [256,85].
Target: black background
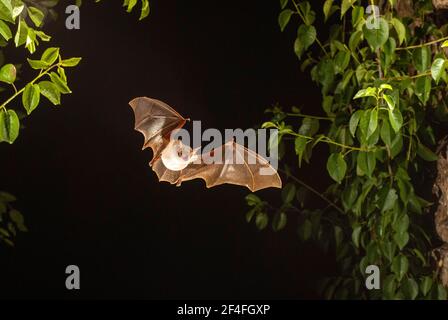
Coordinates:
[86,190]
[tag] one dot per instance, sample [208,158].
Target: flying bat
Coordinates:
[175,162]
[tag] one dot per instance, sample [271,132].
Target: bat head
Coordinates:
[177,156]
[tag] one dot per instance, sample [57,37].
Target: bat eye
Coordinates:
[179,153]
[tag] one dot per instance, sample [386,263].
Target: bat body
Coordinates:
[175,162]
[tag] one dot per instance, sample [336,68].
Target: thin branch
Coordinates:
[428,73]
[17,93]
[301,115]
[423,44]
[320,195]
[303,19]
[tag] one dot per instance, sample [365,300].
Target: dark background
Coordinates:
[86,190]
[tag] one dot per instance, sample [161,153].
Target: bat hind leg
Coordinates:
[179,180]
[154,159]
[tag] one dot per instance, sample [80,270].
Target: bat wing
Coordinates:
[155,120]
[240,166]
[165,174]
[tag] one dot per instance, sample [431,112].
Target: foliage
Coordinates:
[130,5]
[11,220]
[21,23]
[383,82]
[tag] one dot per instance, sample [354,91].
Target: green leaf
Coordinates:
[5,31]
[390,200]
[423,89]
[8,73]
[422,59]
[441,292]
[284,17]
[300,147]
[253,200]
[261,220]
[38,64]
[60,83]
[327,8]
[389,250]
[389,101]
[349,196]
[425,153]
[342,61]
[50,55]
[16,217]
[400,29]
[356,235]
[354,120]
[279,221]
[425,285]
[7,197]
[400,266]
[6,10]
[386,134]
[364,122]
[325,72]
[420,256]
[21,34]
[437,68]
[410,289]
[31,40]
[288,193]
[373,122]
[62,75]
[346,4]
[395,119]
[50,91]
[9,126]
[368,92]
[401,239]
[72,62]
[283,4]
[306,35]
[444,44]
[307,13]
[35,15]
[145,10]
[389,287]
[31,97]
[17,9]
[402,224]
[309,127]
[366,162]
[336,167]
[405,189]
[250,214]
[357,15]
[338,236]
[377,37]
[305,229]
[354,40]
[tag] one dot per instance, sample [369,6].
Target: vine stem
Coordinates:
[303,19]
[423,44]
[308,116]
[428,73]
[329,141]
[17,93]
[310,188]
